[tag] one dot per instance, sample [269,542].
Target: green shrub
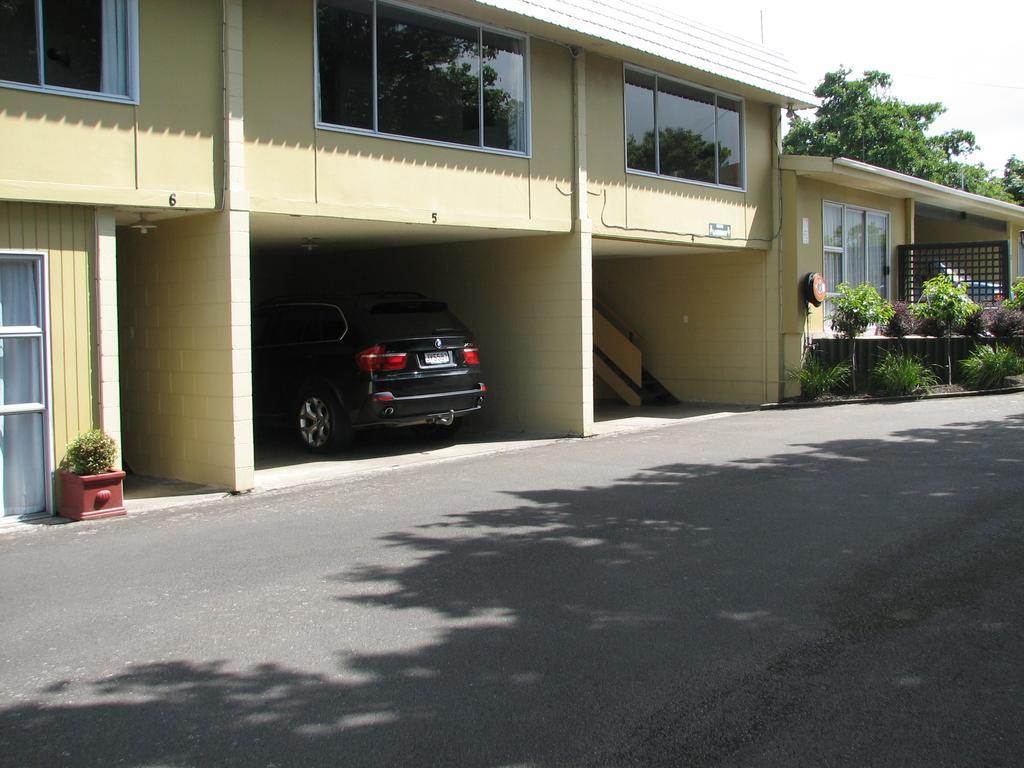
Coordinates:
[898,375]
[900,323]
[945,303]
[817,378]
[1016,300]
[1004,321]
[986,367]
[91,453]
[853,310]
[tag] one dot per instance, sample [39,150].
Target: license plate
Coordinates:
[437,358]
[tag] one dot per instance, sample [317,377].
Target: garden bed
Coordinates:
[1011,385]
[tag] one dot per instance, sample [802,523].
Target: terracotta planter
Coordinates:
[89,497]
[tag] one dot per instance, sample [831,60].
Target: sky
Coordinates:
[969,57]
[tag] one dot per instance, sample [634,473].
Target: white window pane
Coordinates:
[832,226]
[345,57]
[19,293]
[86,45]
[20,379]
[114,66]
[428,77]
[833,269]
[854,264]
[22,465]
[730,149]
[504,80]
[19,60]
[686,132]
[877,250]
[640,122]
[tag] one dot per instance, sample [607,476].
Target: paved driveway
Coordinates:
[834,587]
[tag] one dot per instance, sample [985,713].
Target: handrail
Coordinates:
[616,320]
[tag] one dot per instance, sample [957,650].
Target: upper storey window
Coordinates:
[75,46]
[679,130]
[389,69]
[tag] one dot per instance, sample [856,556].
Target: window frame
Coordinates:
[626,66]
[320,124]
[846,208]
[131,50]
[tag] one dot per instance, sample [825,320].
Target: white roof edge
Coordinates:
[637,25]
[846,166]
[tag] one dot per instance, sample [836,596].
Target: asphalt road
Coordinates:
[829,587]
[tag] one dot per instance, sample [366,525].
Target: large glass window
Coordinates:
[86,44]
[393,70]
[855,244]
[640,144]
[345,34]
[679,130]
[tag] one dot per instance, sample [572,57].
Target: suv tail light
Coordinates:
[377,358]
[471,355]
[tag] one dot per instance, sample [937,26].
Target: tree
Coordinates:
[683,153]
[947,304]
[1013,179]
[861,120]
[853,310]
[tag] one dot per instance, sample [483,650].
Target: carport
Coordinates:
[519,291]
[690,320]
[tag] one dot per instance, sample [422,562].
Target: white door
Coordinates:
[23,407]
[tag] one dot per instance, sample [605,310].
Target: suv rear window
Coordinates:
[299,323]
[408,307]
[411,318]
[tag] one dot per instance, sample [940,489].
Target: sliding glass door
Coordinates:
[23,406]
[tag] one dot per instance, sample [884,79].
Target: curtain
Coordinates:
[114,77]
[855,266]
[22,457]
[878,231]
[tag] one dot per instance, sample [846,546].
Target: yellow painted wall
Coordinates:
[804,198]
[181,373]
[67,235]
[70,149]
[635,205]
[293,167]
[701,320]
[811,195]
[526,299]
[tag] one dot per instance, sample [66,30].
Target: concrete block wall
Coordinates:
[701,319]
[185,352]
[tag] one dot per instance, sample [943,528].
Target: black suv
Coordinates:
[334,365]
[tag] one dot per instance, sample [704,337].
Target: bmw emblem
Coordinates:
[438,343]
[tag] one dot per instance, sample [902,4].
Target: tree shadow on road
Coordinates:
[827,605]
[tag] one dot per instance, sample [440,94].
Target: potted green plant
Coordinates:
[91,487]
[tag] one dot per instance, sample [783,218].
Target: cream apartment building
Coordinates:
[565,174]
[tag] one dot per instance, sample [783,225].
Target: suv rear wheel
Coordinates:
[323,425]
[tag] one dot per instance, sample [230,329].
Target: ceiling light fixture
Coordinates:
[143,225]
